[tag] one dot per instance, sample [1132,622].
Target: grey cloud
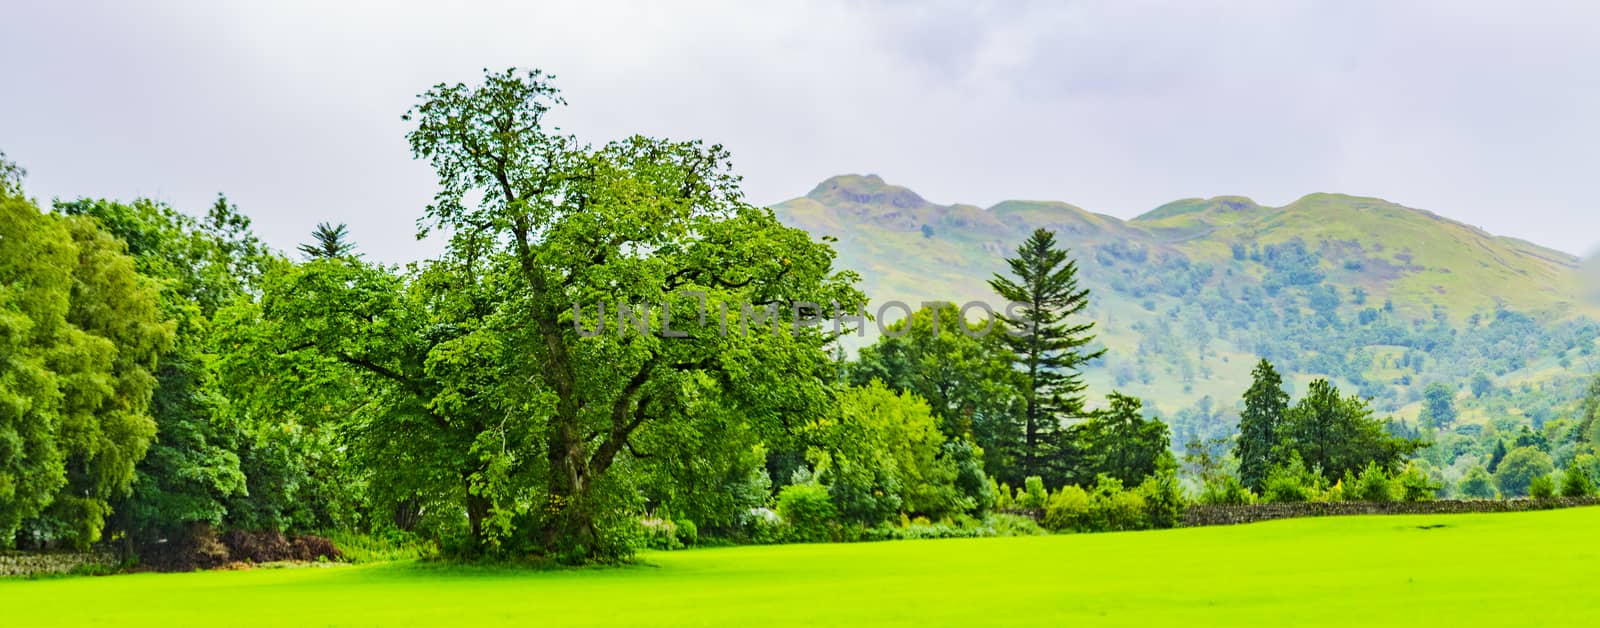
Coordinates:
[1482,112]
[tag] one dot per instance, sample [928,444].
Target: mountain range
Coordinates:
[1379,296]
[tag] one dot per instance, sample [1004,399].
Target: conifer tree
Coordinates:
[328,242]
[1045,342]
[1260,424]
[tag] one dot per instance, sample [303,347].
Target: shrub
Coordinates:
[1335,493]
[1576,483]
[1033,494]
[1476,484]
[1163,500]
[688,532]
[1012,525]
[762,526]
[808,510]
[1542,487]
[390,545]
[1290,483]
[1373,485]
[1122,510]
[1517,471]
[660,534]
[1416,486]
[1070,509]
[1003,500]
[1226,490]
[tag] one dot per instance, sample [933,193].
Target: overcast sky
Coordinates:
[1487,113]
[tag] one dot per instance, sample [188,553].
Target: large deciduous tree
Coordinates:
[1047,343]
[491,385]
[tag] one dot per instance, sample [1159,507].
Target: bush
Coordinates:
[1121,510]
[390,545]
[1226,491]
[1012,525]
[1033,496]
[688,532]
[1476,484]
[1290,483]
[1163,500]
[1070,508]
[1576,483]
[1373,485]
[808,510]
[1005,500]
[1520,467]
[660,534]
[1542,487]
[1416,486]
[761,526]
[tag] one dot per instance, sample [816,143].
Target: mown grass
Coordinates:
[1456,570]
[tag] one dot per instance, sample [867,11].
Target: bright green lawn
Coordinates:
[1479,570]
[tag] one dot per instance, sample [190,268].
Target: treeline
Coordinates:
[115,423]
[169,379]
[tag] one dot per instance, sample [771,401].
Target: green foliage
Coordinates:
[1373,485]
[1157,503]
[328,242]
[11,176]
[1226,490]
[1005,499]
[381,546]
[1033,495]
[539,222]
[1519,469]
[1045,342]
[967,381]
[1120,442]
[1163,500]
[211,462]
[880,455]
[1542,487]
[1497,456]
[1116,509]
[1477,484]
[1260,425]
[1414,485]
[808,510]
[1338,435]
[1439,409]
[1070,508]
[1292,482]
[1576,482]
[81,331]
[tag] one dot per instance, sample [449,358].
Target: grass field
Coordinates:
[1458,570]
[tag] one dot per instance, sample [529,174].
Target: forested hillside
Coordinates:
[1382,298]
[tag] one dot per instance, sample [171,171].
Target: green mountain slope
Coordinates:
[1383,298]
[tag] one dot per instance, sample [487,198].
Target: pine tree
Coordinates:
[1259,425]
[1498,455]
[329,242]
[1049,348]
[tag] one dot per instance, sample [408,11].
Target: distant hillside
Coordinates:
[1381,297]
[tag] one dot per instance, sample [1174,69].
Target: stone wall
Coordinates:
[1209,515]
[48,563]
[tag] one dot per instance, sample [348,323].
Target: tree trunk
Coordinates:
[569,533]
